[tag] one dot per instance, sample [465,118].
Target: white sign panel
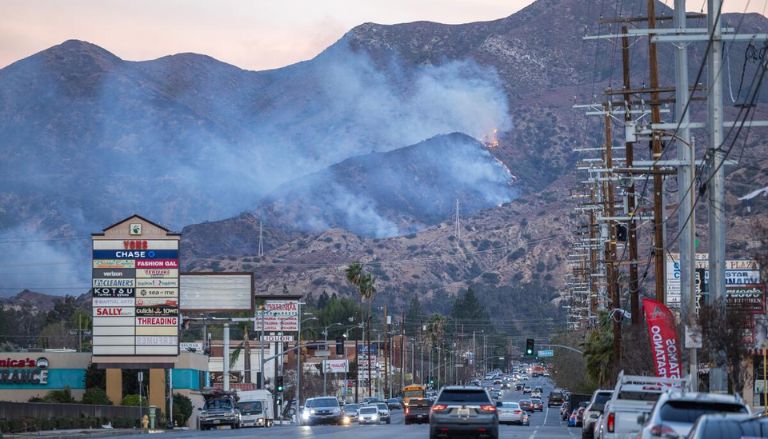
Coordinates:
[126,311]
[136,244]
[157,321]
[216,291]
[191,347]
[100,302]
[279,315]
[113,330]
[114,263]
[113,350]
[157,273]
[113,321]
[157,283]
[156,340]
[157,301]
[737,272]
[114,283]
[277,338]
[336,366]
[116,340]
[157,292]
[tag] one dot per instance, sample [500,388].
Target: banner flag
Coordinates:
[665,346]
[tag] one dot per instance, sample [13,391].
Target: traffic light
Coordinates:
[529,347]
[339,345]
[621,233]
[279,384]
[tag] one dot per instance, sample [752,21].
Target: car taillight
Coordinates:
[663,430]
[439,407]
[611,422]
[407,410]
[517,412]
[488,408]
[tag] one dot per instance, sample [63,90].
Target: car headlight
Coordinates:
[305,414]
[375,417]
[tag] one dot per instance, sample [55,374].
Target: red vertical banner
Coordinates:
[665,346]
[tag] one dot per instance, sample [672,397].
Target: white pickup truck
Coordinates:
[632,397]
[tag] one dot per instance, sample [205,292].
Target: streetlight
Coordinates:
[298,365]
[325,374]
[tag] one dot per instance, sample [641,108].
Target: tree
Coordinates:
[182,409]
[413,317]
[598,351]
[723,329]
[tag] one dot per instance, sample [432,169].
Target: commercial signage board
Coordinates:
[201,292]
[737,272]
[546,353]
[277,338]
[135,290]
[278,315]
[336,366]
[749,298]
[24,371]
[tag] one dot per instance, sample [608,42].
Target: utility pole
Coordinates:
[685,177]
[716,186]
[610,244]
[634,283]
[387,348]
[656,152]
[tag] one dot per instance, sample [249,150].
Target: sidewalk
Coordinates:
[72,434]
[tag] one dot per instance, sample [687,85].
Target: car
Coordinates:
[510,412]
[394,404]
[219,409]
[535,394]
[368,414]
[384,414]
[350,410]
[675,412]
[526,404]
[322,410]
[417,411]
[592,411]
[371,400]
[527,389]
[538,405]
[463,410]
[555,399]
[496,394]
[729,426]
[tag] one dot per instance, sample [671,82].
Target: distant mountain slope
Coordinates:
[401,191]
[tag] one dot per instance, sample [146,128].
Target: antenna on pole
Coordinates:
[260,252]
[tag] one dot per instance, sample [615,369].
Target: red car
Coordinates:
[538,405]
[527,405]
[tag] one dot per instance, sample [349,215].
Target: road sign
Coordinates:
[546,353]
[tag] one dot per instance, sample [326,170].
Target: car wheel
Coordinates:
[586,434]
[389,421]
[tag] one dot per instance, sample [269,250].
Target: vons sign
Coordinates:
[24,371]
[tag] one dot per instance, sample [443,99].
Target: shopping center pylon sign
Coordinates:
[665,346]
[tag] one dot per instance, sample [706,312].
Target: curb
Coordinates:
[73,434]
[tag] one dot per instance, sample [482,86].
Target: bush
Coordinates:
[96,396]
[182,409]
[60,396]
[133,400]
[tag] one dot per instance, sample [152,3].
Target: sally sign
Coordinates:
[664,342]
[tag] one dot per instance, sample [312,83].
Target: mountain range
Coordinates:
[357,154]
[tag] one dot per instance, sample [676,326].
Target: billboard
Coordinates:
[748,298]
[737,272]
[135,295]
[335,366]
[278,315]
[216,291]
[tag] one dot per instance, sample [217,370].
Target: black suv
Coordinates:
[463,410]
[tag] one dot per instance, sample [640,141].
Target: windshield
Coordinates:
[250,407]
[689,411]
[368,410]
[213,404]
[600,400]
[413,394]
[461,395]
[323,402]
[510,405]
[382,406]
[639,396]
[351,407]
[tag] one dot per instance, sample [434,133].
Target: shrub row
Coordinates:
[20,425]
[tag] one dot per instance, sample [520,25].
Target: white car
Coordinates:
[676,412]
[510,412]
[368,414]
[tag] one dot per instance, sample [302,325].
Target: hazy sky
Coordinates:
[252,34]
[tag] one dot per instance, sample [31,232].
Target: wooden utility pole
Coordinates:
[610,243]
[634,284]
[658,180]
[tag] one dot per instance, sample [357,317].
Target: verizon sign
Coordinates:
[278,315]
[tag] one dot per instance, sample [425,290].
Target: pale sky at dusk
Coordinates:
[252,34]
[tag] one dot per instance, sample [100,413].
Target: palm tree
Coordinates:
[366,287]
[598,352]
[435,334]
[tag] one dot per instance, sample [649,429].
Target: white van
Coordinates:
[256,408]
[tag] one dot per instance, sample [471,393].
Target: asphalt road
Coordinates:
[544,425]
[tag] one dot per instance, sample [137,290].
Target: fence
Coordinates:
[41,410]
